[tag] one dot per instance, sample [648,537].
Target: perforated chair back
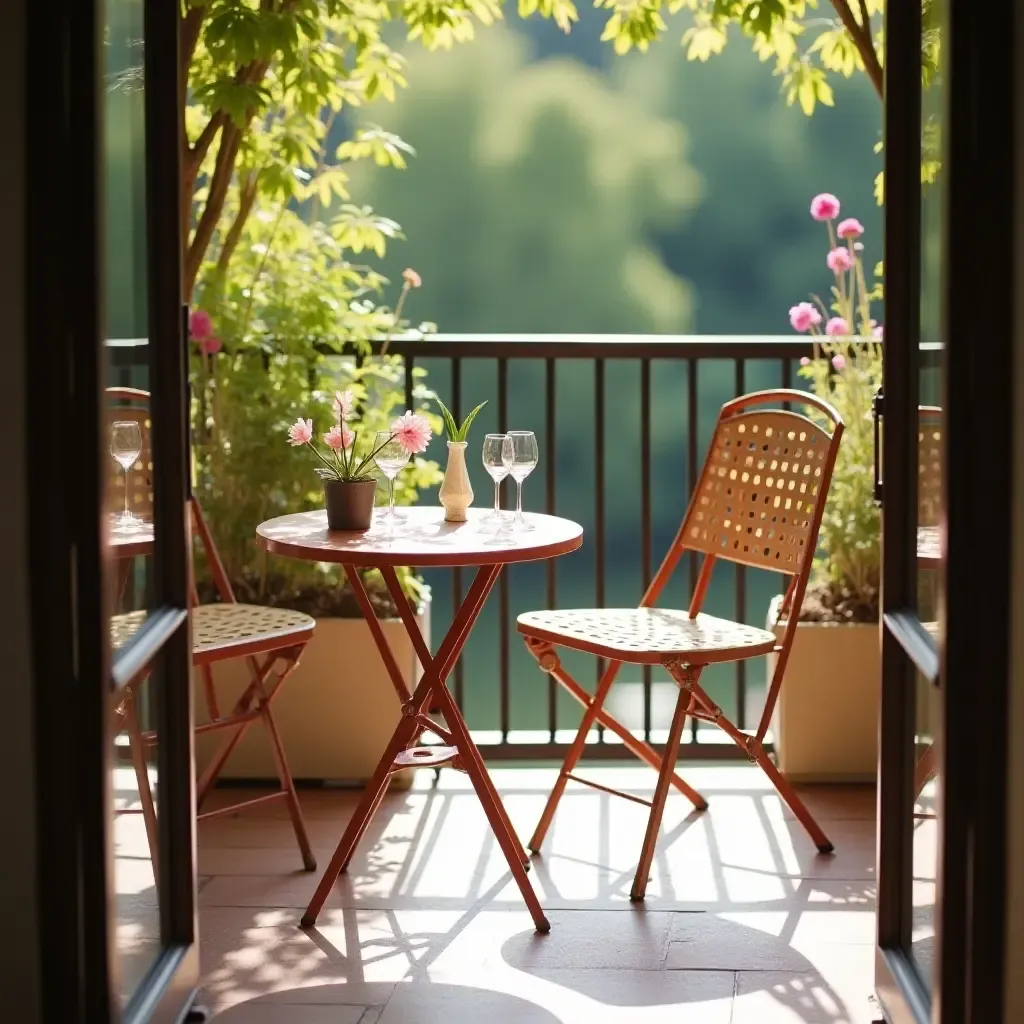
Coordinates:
[929,466]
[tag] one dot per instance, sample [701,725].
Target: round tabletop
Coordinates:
[423,540]
[929,547]
[130,542]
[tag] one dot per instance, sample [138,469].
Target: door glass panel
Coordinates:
[925,827]
[932,342]
[130,491]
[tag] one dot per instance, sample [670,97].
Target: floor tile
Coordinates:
[276,1013]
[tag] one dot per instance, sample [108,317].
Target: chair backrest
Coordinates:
[929,465]
[759,502]
[131,404]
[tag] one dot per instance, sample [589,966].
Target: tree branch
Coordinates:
[230,140]
[246,197]
[861,36]
[188,38]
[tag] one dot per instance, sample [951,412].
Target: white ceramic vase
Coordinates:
[456,493]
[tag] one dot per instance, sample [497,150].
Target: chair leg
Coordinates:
[288,785]
[572,757]
[684,703]
[788,793]
[137,748]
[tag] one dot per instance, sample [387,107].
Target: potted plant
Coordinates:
[283,349]
[826,719]
[456,493]
[349,485]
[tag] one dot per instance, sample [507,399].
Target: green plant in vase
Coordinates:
[846,371]
[456,492]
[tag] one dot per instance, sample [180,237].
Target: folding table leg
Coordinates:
[434,674]
[137,748]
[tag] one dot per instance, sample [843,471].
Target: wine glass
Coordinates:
[497,458]
[126,447]
[525,456]
[391,459]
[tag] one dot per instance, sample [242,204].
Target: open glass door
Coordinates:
[140,870]
[946,514]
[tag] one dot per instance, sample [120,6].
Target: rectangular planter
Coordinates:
[825,724]
[336,711]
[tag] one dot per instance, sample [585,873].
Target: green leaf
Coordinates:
[468,422]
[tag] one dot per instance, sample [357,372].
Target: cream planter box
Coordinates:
[336,711]
[825,725]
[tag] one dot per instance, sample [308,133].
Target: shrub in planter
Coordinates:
[827,716]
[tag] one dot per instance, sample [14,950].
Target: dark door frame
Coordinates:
[980,167]
[65,378]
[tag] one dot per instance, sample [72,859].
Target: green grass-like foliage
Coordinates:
[455,432]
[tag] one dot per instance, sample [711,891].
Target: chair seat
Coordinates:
[228,630]
[648,636]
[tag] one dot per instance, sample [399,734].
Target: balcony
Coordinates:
[744,921]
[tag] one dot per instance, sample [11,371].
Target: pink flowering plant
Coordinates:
[339,460]
[846,371]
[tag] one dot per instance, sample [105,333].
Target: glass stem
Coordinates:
[519,499]
[126,512]
[391,496]
[497,493]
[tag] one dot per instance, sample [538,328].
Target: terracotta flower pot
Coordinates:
[349,503]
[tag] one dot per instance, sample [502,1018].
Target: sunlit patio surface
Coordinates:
[744,920]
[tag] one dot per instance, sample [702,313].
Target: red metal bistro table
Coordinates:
[424,540]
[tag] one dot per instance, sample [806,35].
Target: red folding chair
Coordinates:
[271,640]
[758,502]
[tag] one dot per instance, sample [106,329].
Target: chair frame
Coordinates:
[281,657]
[686,669]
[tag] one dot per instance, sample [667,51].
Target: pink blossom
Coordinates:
[210,345]
[344,403]
[877,333]
[199,323]
[837,327]
[839,259]
[412,279]
[803,316]
[300,432]
[339,437]
[850,228]
[805,361]
[824,206]
[412,432]
[839,362]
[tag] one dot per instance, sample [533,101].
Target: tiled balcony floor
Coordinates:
[744,922]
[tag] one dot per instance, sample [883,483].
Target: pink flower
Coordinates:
[824,206]
[412,279]
[411,432]
[339,437]
[805,361]
[199,323]
[210,345]
[850,228]
[839,362]
[837,327]
[877,333]
[803,316]
[839,259]
[300,432]
[344,403]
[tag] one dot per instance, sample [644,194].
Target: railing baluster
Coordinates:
[599,520]
[409,381]
[503,579]
[549,459]
[741,591]
[457,572]
[691,460]
[645,514]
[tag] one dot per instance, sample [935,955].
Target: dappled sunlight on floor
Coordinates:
[744,919]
